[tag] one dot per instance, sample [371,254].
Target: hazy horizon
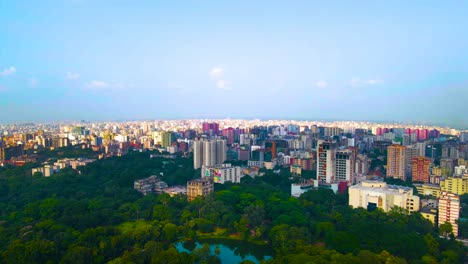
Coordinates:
[80,59]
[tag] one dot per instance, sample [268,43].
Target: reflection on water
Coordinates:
[228,250]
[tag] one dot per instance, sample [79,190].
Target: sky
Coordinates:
[344,60]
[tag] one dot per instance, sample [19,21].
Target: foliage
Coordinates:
[97,217]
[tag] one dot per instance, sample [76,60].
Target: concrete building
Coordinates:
[199,187]
[449,210]
[344,166]
[209,152]
[430,214]
[362,165]
[428,189]
[149,185]
[420,169]
[457,185]
[299,188]
[373,194]
[326,161]
[396,156]
[222,173]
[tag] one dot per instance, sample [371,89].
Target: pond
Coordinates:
[230,251]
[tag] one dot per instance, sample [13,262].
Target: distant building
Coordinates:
[148,185]
[430,214]
[199,187]
[222,173]
[299,188]
[362,165]
[449,210]
[457,185]
[372,194]
[420,169]
[326,162]
[175,190]
[428,189]
[344,166]
[209,152]
[396,156]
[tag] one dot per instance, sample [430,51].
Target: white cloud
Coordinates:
[96,84]
[374,81]
[72,75]
[33,82]
[217,75]
[217,72]
[357,82]
[321,84]
[8,71]
[102,85]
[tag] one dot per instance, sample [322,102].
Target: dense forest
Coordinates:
[93,215]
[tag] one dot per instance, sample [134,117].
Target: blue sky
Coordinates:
[358,60]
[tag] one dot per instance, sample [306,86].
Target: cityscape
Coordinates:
[251,132]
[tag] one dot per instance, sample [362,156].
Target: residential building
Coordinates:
[396,156]
[430,214]
[428,189]
[209,152]
[420,169]
[222,173]
[149,185]
[326,161]
[457,185]
[199,187]
[344,166]
[449,210]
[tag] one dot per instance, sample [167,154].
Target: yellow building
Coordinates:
[199,187]
[428,189]
[296,170]
[396,161]
[456,185]
[437,171]
[430,214]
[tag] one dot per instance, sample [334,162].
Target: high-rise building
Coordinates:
[229,134]
[210,128]
[197,154]
[396,156]
[362,164]
[344,166]
[209,152]
[449,210]
[199,187]
[420,169]
[326,161]
[167,139]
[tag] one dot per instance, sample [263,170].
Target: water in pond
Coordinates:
[230,251]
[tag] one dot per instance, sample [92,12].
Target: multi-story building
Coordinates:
[209,152]
[420,169]
[457,185]
[149,185]
[447,166]
[373,194]
[449,210]
[326,161]
[222,173]
[362,164]
[199,187]
[428,189]
[396,156]
[430,214]
[344,166]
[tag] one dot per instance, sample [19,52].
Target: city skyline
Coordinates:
[73,60]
